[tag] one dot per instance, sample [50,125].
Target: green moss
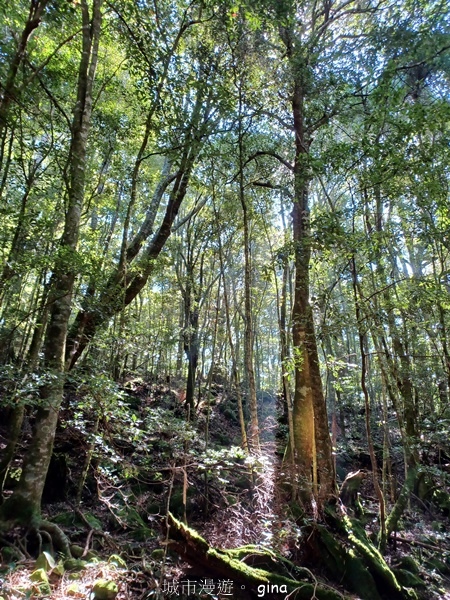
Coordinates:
[190,533]
[59,539]
[402,501]
[139,529]
[117,561]
[438,565]
[91,556]
[408,579]
[59,569]
[244,572]
[66,519]
[226,563]
[76,551]
[359,510]
[105,590]
[69,519]
[382,574]
[267,559]
[11,554]
[409,564]
[93,521]
[344,565]
[40,578]
[243,551]
[45,561]
[74,564]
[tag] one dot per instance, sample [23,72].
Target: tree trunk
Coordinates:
[253,433]
[364,367]
[9,91]
[191,323]
[234,361]
[313,450]
[14,429]
[24,504]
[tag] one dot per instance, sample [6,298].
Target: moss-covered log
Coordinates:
[380,571]
[267,559]
[352,561]
[359,547]
[230,564]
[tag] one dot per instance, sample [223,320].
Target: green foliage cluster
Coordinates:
[204,113]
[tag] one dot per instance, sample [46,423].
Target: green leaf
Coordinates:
[45,561]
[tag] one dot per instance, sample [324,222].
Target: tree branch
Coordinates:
[274,155]
[192,213]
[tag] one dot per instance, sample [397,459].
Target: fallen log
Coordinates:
[231,564]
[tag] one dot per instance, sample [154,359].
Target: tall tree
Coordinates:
[24,504]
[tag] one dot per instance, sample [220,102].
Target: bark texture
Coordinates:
[312,445]
[26,498]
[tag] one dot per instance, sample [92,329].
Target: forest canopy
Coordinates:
[224,265]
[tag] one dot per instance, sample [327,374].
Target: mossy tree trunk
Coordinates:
[312,444]
[24,504]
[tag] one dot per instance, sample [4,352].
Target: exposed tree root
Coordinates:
[377,566]
[230,563]
[343,564]
[34,526]
[59,539]
[357,562]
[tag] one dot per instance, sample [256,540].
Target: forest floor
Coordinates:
[135,475]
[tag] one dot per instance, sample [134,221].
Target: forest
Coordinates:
[225,299]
